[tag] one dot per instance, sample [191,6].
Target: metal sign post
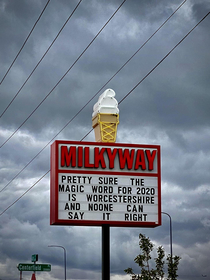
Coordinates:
[105,252]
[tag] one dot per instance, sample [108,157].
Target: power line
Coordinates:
[63,75]
[25,42]
[119,102]
[24,193]
[92,99]
[40,60]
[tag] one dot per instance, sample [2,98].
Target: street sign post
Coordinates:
[33,267]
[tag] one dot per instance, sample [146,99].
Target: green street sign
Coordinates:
[33,267]
[34,258]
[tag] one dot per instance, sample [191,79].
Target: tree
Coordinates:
[144,261]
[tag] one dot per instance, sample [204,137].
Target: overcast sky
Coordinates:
[171,108]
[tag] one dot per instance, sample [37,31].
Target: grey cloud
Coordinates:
[200,9]
[169,108]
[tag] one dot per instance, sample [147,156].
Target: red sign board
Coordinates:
[105,183]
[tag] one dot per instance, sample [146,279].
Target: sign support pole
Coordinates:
[105,252]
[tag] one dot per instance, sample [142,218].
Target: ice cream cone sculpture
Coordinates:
[105,117]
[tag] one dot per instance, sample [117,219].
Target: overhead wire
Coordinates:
[119,102]
[56,37]
[92,98]
[63,75]
[25,41]
[24,193]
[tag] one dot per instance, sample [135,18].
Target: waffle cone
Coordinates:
[105,127]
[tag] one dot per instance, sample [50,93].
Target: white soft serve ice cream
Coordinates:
[106,104]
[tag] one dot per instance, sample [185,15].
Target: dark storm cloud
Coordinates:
[170,108]
[200,9]
[32,90]
[15,16]
[149,10]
